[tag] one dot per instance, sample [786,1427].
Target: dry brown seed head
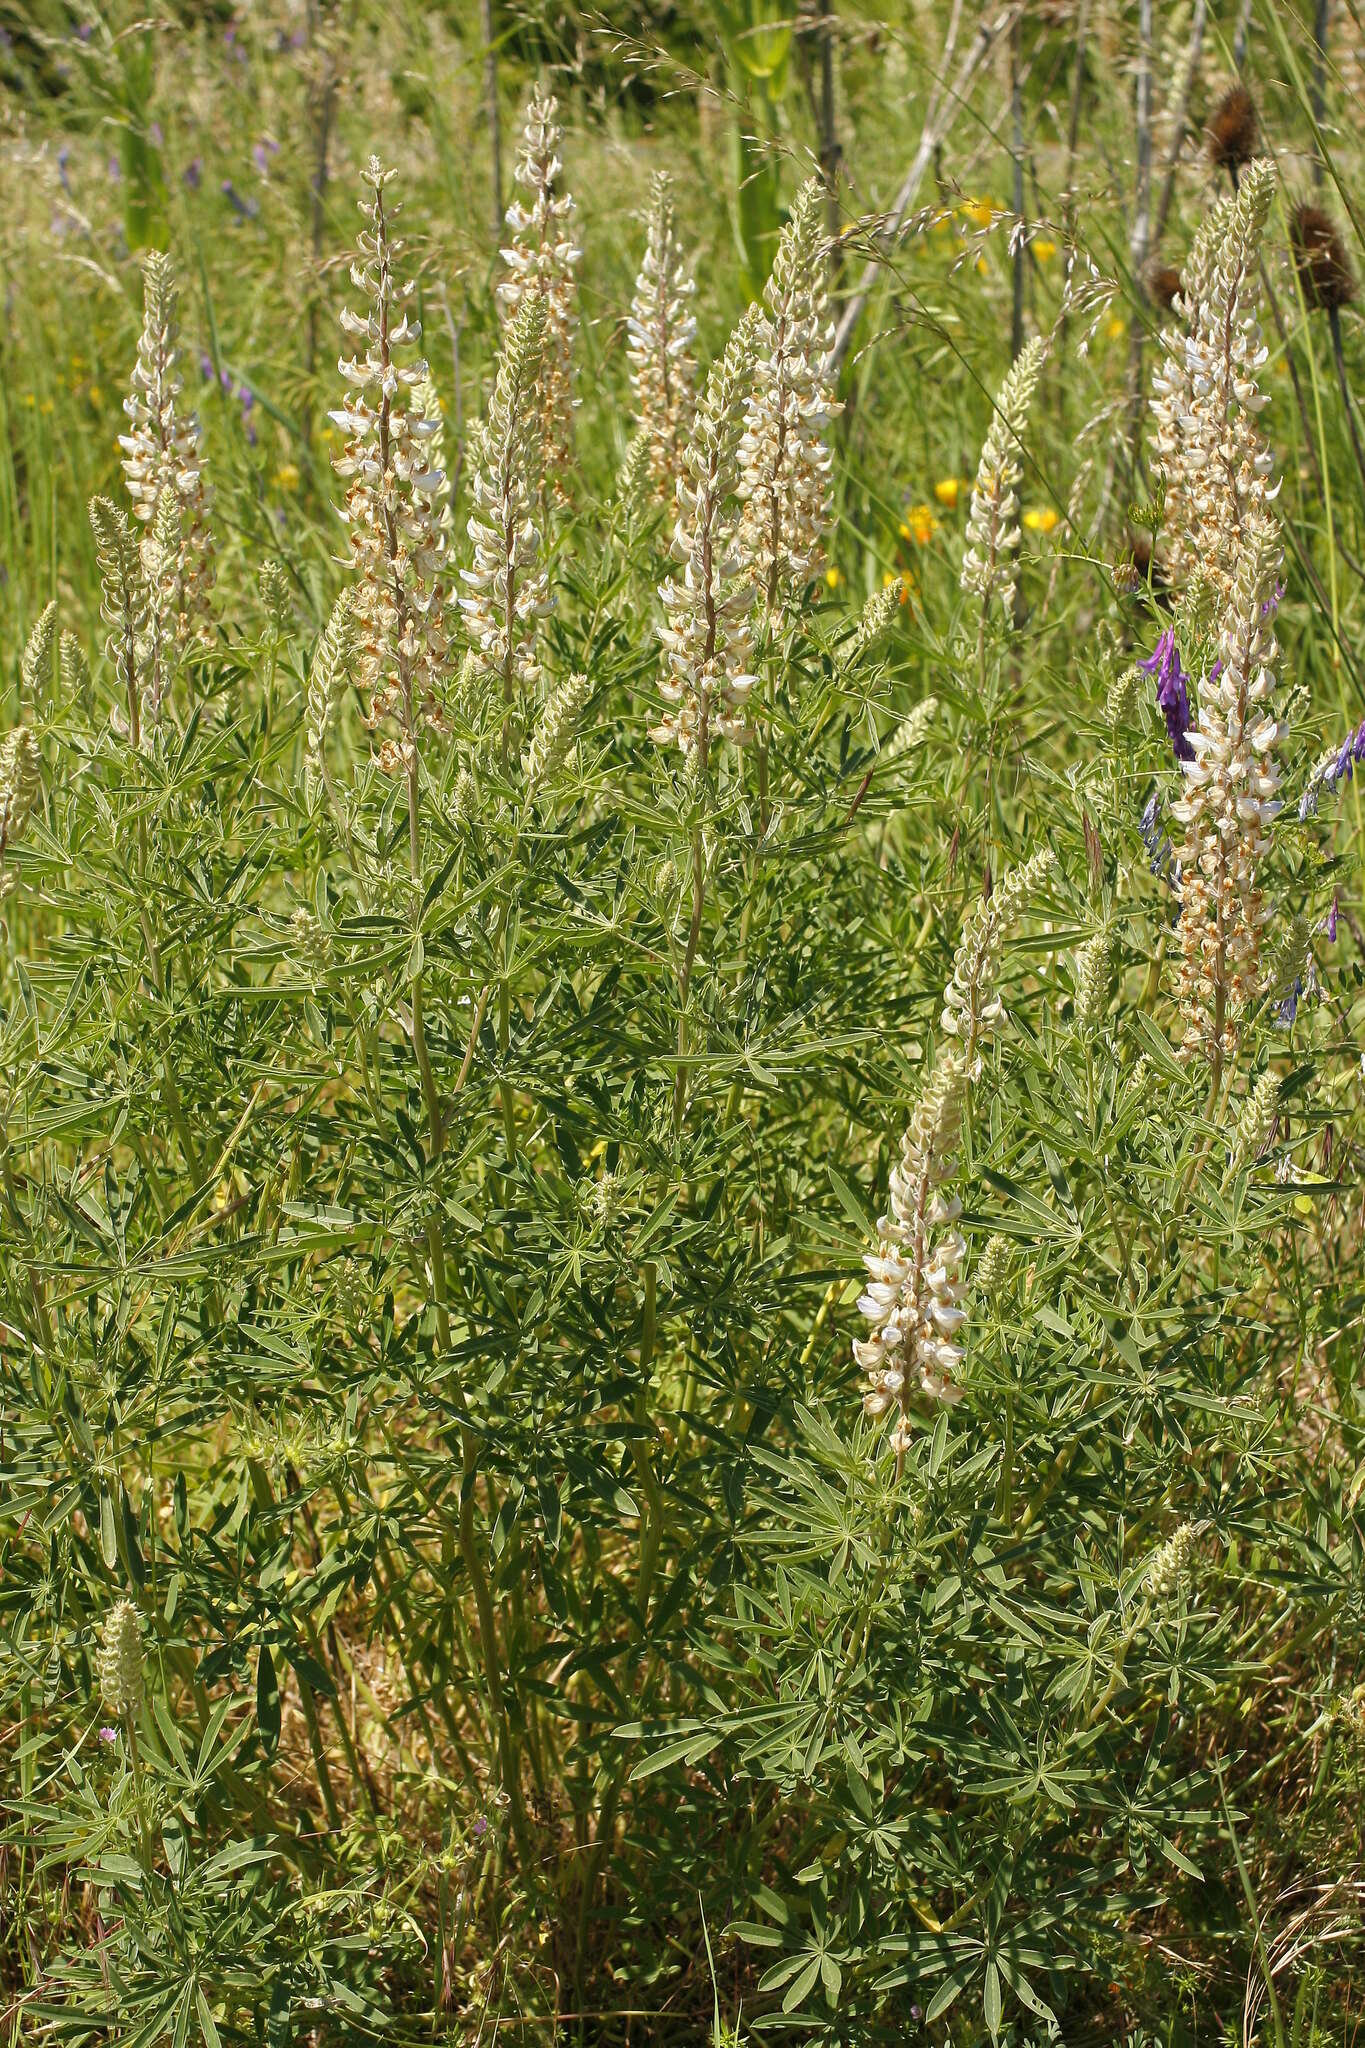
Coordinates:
[1234,129]
[1320,257]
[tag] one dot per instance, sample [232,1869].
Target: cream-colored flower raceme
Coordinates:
[1228,804]
[972,1010]
[334,664]
[74,670]
[35,665]
[1255,1123]
[163,448]
[507,591]
[874,620]
[160,558]
[397,548]
[993,1268]
[662,329]
[784,463]
[1227,465]
[706,631]
[1094,979]
[554,734]
[119,1663]
[123,606]
[1168,1567]
[913,1299]
[276,597]
[541,258]
[20,781]
[1172,391]
[988,566]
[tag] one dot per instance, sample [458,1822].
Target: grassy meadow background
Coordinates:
[530,1639]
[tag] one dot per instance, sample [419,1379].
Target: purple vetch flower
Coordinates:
[108,1734]
[205,364]
[1288,1010]
[1342,769]
[63,167]
[261,153]
[480,1826]
[245,209]
[1172,692]
[1331,925]
[193,173]
[84,31]
[1272,604]
[115,170]
[225,379]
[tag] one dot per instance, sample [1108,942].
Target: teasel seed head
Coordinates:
[35,666]
[1320,257]
[21,770]
[74,670]
[706,632]
[1229,802]
[119,1661]
[784,463]
[662,330]
[554,734]
[397,548]
[541,258]
[123,607]
[335,663]
[163,449]
[972,1010]
[1255,1123]
[1234,130]
[506,588]
[1094,979]
[988,566]
[913,1299]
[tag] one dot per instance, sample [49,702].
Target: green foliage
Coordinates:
[446,1582]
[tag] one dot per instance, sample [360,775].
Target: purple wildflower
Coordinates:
[115,170]
[63,167]
[480,1825]
[1342,769]
[85,30]
[225,379]
[1160,859]
[1172,693]
[261,153]
[245,209]
[193,173]
[205,364]
[108,1734]
[1331,925]
[1288,1010]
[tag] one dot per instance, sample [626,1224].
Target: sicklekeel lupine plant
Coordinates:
[993,534]
[20,781]
[397,549]
[1172,395]
[542,257]
[662,334]
[162,451]
[706,634]
[784,464]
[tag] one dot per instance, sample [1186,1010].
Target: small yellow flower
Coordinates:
[1044,250]
[287,477]
[832,577]
[78,364]
[904,580]
[29,399]
[96,395]
[981,212]
[982,267]
[948,490]
[1116,329]
[919,525]
[1040,519]
[46,407]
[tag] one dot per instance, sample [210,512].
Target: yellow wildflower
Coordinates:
[1116,329]
[981,212]
[833,577]
[1044,250]
[919,525]
[1040,519]
[287,477]
[96,395]
[948,490]
[983,268]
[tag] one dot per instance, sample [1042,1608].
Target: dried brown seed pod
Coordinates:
[1320,256]
[1138,569]
[1164,284]
[1234,129]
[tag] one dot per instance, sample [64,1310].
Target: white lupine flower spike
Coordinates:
[541,258]
[988,566]
[162,449]
[662,331]
[397,547]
